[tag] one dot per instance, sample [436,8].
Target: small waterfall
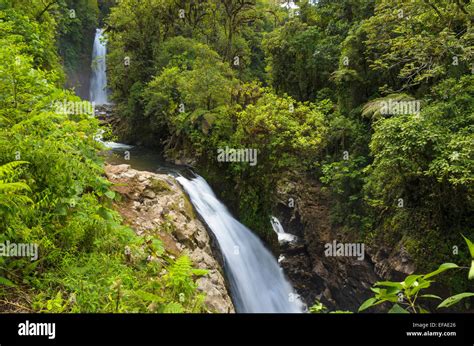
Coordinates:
[283,237]
[256,281]
[98,86]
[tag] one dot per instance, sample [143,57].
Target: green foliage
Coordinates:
[199,107]
[11,193]
[53,192]
[328,71]
[427,161]
[300,59]
[75,34]
[405,295]
[454,299]
[421,41]
[320,308]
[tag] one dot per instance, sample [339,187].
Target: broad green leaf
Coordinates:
[397,309]
[367,304]
[421,285]
[443,267]
[409,280]
[454,299]
[430,296]
[470,245]
[389,284]
[375,290]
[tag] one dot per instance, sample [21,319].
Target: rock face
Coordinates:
[339,282]
[155,203]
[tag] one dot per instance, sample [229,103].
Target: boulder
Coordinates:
[156,204]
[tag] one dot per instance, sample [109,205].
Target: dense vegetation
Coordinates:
[53,193]
[307,91]
[372,98]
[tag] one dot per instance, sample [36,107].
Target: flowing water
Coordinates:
[98,84]
[283,237]
[257,283]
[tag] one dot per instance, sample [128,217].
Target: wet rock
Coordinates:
[341,283]
[394,263]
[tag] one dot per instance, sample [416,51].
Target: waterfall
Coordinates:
[257,283]
[283,237]
[98,86]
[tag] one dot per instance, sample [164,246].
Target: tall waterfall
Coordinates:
[98,86]
[257,283]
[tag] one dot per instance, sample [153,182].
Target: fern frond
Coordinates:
[8,169]
[9,188]
[11,193]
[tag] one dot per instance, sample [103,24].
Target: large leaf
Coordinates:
[443,267]
[454,299]
[409,280]
[430,296]
[389,284]
[423,284]
[371,302]
[367,304]
[470,276]
[470,245]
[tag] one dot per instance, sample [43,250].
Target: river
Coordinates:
[257,283]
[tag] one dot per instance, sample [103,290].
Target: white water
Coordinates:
[111,145]
[283,237]
[257,282]
[98,86]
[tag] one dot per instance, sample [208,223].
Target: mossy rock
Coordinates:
[187,208]
[158,185]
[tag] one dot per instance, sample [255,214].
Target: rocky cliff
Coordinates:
[155,204]
[339,282]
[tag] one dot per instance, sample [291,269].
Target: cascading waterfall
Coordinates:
[257,283]
[98,86]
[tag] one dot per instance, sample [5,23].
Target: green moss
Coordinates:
[158,185]
[188,208]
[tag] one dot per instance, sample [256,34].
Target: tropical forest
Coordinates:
[236,156]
